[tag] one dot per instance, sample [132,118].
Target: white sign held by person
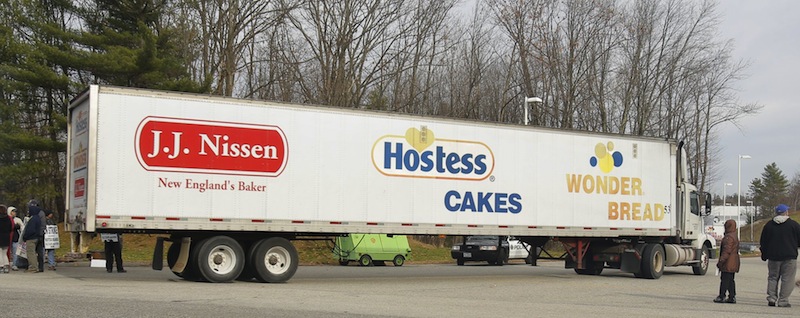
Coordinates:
[109,237]
[51,238]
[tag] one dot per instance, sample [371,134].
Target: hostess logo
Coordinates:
[419,154]
[187,145]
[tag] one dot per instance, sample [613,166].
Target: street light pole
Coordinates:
[739,199]
[529,100]
[751,219]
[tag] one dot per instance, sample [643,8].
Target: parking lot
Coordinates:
[473,290]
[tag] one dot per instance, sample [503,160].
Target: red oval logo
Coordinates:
[186,145]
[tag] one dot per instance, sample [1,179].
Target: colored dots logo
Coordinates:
[605,157]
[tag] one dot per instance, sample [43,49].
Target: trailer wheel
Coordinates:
[653,261]
[398,260]
[275,260]
[220,259]
[702,267]
[365,260]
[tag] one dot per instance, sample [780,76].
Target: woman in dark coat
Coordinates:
[728,263]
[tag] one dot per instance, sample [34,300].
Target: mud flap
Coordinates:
[183,257]
[158,254]
[631,262]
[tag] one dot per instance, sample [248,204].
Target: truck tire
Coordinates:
[365,260]
[653,261]
[460,261]
[398,260]
[275,260]
[220,259]
[343,262]
[702,267]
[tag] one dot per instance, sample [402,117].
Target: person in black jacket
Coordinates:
[780,239]
[34,237]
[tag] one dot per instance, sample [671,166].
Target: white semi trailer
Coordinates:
[232,182]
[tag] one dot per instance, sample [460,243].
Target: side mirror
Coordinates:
[707,205]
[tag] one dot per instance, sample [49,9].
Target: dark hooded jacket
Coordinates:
[729,249]
[34,227]
[780,239]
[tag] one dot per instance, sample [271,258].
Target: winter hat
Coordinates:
[781,209]
[11,209]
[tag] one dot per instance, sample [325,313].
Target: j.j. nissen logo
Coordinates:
[605,157]
[419,154]
[188,145]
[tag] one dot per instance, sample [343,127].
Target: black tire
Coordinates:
[502,257]
[275,260]
[653,261]
[191,272]
[248,272]
[220,259]
[173,252]
[460,261]
[343,262]
[594,268]
[702,267]
[365,260]
[398,260]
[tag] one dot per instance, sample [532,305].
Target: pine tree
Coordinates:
[130,46]
[769,191]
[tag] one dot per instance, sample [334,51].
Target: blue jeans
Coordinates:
[51,258]
[14,256]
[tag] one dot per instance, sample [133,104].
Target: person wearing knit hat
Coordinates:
[780,239]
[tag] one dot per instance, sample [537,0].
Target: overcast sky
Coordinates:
[767,34]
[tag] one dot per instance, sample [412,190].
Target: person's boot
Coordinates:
[731,300]
[719,299]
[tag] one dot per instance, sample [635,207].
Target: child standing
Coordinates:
[728,264]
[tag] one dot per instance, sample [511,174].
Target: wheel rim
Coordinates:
[277,260]
[658,261]
[704,259]
[222,260]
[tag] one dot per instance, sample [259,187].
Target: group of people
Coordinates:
[22,239]
[780,239]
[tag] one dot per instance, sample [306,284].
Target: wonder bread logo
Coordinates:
[420,154]
[623,192]
[605,157]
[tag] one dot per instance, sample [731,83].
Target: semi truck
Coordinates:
[231,183]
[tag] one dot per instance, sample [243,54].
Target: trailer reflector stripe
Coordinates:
[638,229]
[336,222]
[173,219]
[503,226]
[407,224]
[439,225]
[561,227]
[372,223]
[533,227]
[138,218]
[103,217]
[472,225]
[215,220]
[257,221]
[587,228]
[663,229]
[614,228]
[298,222]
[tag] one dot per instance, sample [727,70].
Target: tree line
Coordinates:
[647,68]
